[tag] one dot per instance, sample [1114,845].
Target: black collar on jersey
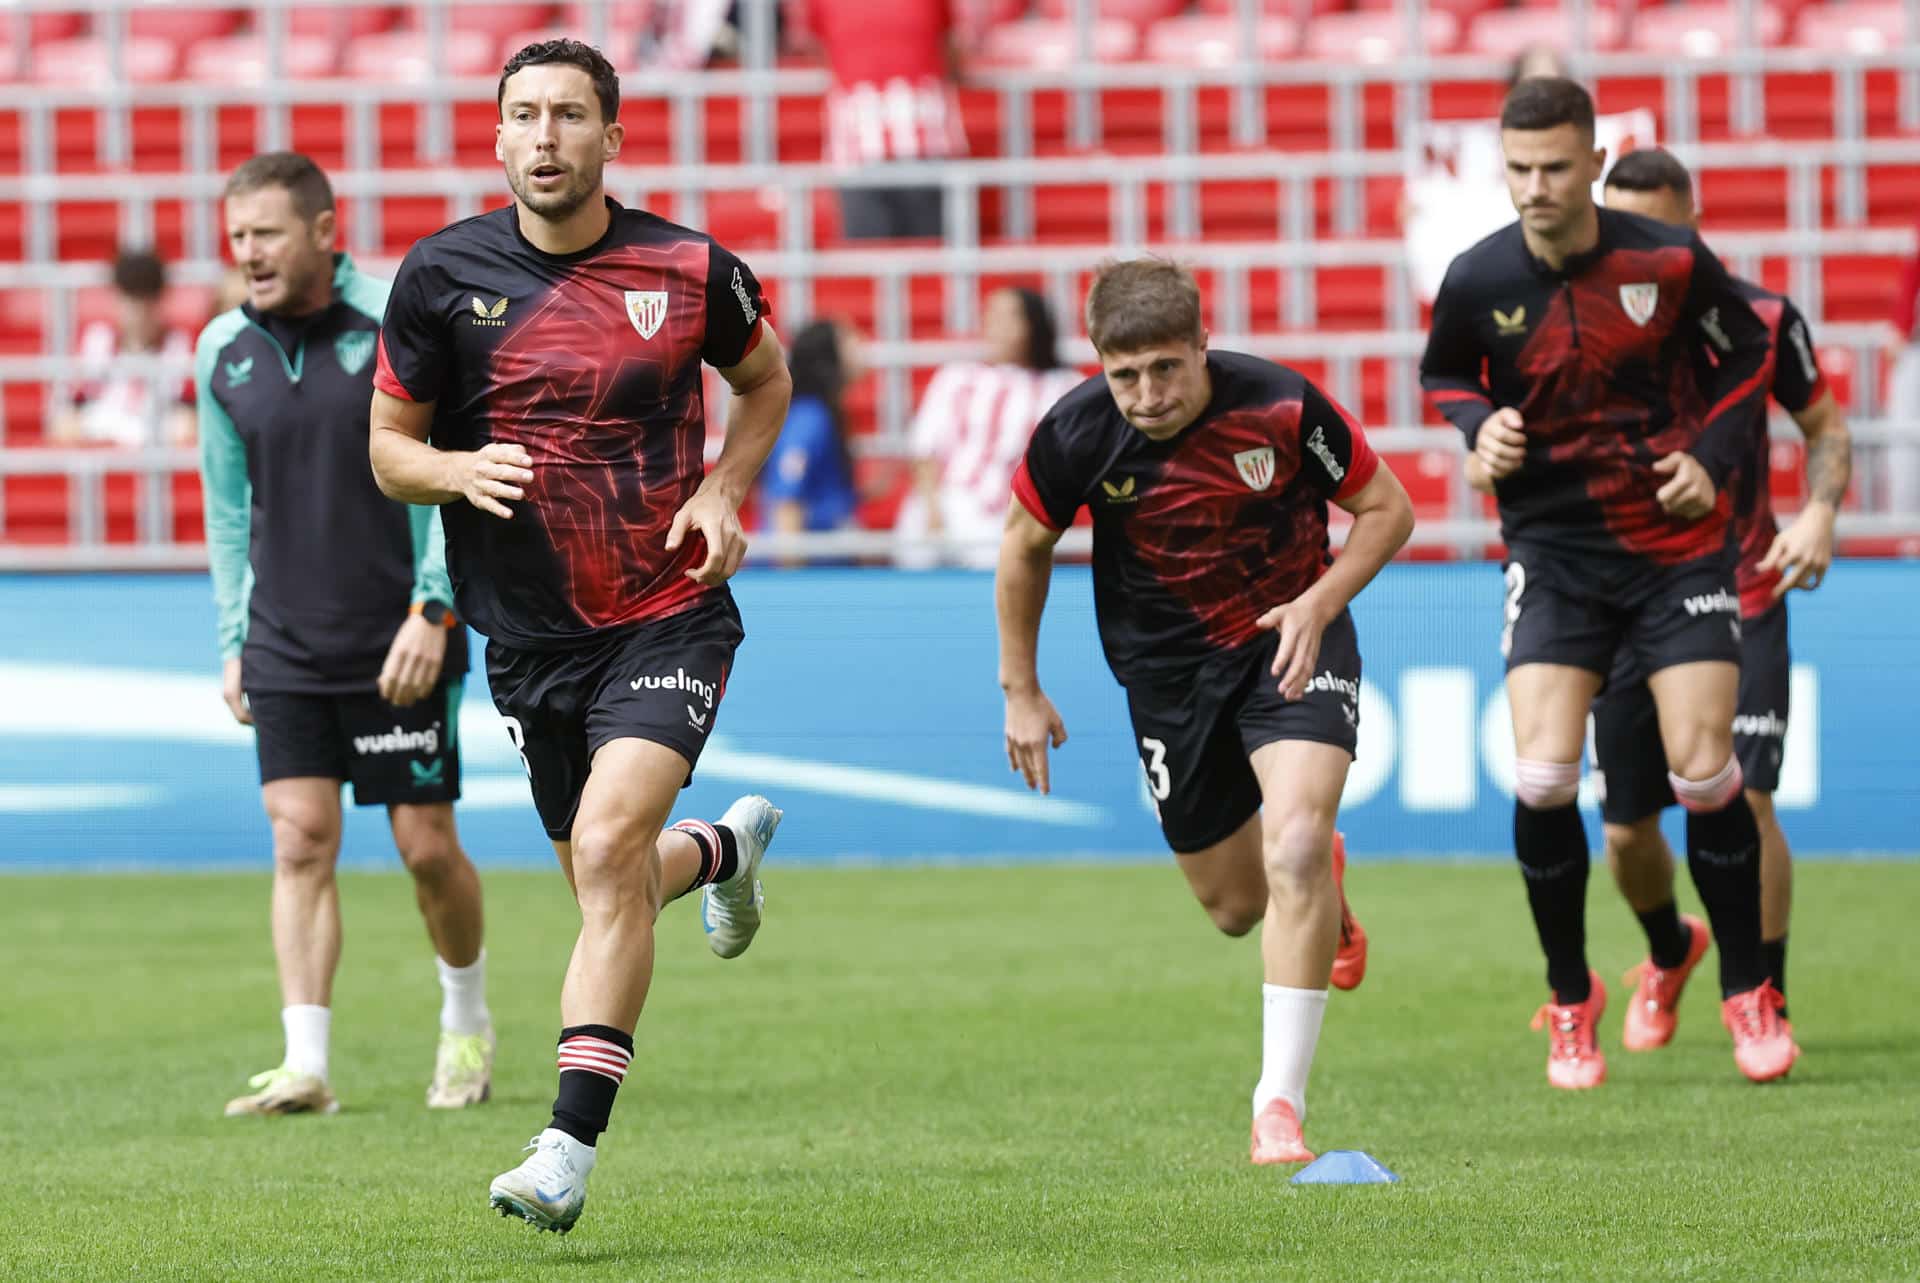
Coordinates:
[613,218]
[289,333]
[1575,264]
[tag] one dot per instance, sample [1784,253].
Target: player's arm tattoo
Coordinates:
[1829,466]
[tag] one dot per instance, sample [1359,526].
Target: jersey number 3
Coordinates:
[1159,783]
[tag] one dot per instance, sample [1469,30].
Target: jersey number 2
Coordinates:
[519,738]
[1516,586]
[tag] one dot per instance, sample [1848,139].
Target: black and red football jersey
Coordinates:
[1641,347]
[591,362]
[1793,374]
[1195,537]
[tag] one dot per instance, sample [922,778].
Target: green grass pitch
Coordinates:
[1032,1073]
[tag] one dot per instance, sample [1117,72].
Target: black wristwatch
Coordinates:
[435,613]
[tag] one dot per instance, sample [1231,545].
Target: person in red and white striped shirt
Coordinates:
[973,427]
[894,67]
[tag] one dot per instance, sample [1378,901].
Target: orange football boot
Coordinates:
[1763,1043]
[1276,1135]
[1350,963]
[1653,1011]
[1574,1062]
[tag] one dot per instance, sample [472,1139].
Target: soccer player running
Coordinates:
[539,372]
[1653,183]
[1208,475]
[338,644]
[1606,370]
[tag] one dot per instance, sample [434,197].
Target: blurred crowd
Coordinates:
[895,69]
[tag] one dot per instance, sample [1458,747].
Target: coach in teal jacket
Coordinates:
[335,632]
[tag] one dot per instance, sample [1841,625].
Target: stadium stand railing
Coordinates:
[1277,180]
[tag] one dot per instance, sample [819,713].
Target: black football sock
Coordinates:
[593,1061]
[1667,937]
[1552,846]
[1777,965]
[1723,854]
[719,851]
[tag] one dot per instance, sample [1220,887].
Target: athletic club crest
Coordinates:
[1640,301]
[354,350]
[647,309]
[1256,467]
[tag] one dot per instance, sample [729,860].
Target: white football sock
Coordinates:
[463,996]
[1290,1030]
[307,1027]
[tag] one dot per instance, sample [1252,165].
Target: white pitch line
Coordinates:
[53,799]
[897,787]
[78,702]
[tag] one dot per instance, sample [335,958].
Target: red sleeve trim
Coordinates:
[753,338]
[1029,497]
[1819,390]
[1361,470]
[1444,396]
[383,376]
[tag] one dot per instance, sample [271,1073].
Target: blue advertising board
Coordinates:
[865,702]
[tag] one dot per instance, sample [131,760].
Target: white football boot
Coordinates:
[462,1070]
[549,1189]
[730,910]
[284,1091]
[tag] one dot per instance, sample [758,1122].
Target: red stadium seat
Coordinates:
[1138,12]
[401,57]
[1377,37]
[622,15]
[342,22]
[1275,8]
[1855,28]
[182,26]
[42,27]
[1506,33]
[22,319]
[1201,40]
[496,20]
[1037,42]
[1701,30]
[242,60]
[1462,9]
[85,62]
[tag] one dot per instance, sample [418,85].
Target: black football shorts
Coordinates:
[1196,730]
[1582,611]
[1626,730]
[661,681]
[390,755]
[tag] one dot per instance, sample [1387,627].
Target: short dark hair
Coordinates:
[1651,169]
[1043,336]
[305,182]
[573,53]
[1141,303]
[139,273]
[1547,102]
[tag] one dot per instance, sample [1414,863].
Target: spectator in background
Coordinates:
[130,407]
[973,427]
[895,66]
[808,482]
[1902,459]
[683,35]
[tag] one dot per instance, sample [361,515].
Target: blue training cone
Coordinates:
[1344,1167]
